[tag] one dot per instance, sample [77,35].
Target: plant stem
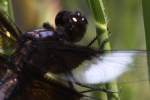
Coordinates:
[6,8]
[146,17]
[101,29]
[3,5]
[10,10]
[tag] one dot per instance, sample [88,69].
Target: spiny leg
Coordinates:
[92,88]
[102,42]
[93,41]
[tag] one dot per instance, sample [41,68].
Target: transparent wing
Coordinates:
[138,70]
[133,83]
[137,67]
[112,65]
[107,67]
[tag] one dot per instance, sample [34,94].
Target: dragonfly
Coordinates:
[36,55]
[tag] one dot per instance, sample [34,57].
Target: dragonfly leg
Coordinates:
[93,88]
[70,82]
[93,41]
[102,42]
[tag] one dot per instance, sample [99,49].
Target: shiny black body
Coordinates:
[41,51]
[56,55]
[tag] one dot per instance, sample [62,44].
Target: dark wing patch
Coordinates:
[57,57]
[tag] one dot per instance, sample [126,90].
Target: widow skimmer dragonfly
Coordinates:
[38,52]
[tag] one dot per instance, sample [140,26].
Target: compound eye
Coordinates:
[62,18]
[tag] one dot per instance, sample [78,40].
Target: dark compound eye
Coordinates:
[62,18]
[72,25]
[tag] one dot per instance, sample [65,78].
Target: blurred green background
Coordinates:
[125,22]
